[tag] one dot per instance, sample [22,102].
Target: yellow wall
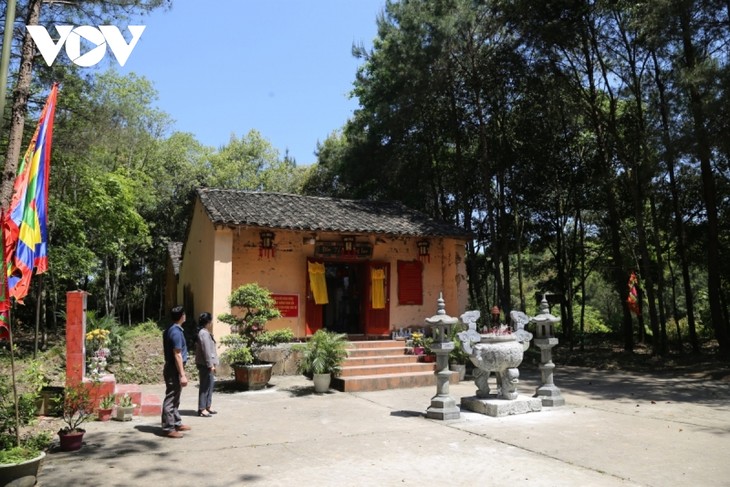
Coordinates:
[195,286]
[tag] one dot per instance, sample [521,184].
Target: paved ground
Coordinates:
[616,429]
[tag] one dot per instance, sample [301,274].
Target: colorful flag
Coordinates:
[25,225]
[633,299]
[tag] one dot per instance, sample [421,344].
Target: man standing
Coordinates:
[176,355]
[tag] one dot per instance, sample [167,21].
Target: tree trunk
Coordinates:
[679,229]
[709,193]
[20,106]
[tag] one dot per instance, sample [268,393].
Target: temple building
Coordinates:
[365,268]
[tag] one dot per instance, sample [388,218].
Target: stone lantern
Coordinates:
[442,405]
[545,340]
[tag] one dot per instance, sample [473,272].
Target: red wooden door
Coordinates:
[377,321]
[313,312]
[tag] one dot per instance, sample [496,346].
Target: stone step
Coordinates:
[382,382]
[380,359]
[145,404]
[383,364]
[388,369]
[376,344]
[376,352]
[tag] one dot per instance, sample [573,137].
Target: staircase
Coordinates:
[383,364]
[145,404]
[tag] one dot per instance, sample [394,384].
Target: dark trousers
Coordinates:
[205,392]
[170,414]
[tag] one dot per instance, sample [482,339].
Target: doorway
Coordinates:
[345,288]
[349,308]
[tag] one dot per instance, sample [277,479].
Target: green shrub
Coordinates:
[256,308]
[323,353]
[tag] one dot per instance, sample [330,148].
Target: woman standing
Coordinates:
[206,359]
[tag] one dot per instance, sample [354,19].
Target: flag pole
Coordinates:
[37,314]
[15,386]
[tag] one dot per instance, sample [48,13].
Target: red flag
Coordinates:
[633,299]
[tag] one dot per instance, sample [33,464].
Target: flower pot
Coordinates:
[23,473]
[124,413]
[429,358]
[322,382]
[419,350]
[253,377]
[104,414]
[71,441]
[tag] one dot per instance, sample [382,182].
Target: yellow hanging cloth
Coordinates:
[377,276]
[317,282]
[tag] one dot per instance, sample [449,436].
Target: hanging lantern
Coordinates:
[423,250]
[266,246]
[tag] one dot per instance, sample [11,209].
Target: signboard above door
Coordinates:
[360,250]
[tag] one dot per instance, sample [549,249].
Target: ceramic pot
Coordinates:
[71,441]
[104,414]
[253,377]
[24,473]
[322,382]
[124,413]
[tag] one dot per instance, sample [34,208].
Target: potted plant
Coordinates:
[458,358]
[21,450]
[417,343]
[77,408]
[427,355]
[106,405]
[125,409]
[254,308]
[322,357]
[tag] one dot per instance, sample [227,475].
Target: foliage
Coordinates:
[417,339]
[256,308]
[78,407]
[592,321]
[125,401]
[29,385]
[457,355]
[107,402]
[323,353]
[143,358]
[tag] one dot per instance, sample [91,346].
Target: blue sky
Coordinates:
[282,67]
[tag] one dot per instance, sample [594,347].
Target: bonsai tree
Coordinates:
[323,353]
[248,337]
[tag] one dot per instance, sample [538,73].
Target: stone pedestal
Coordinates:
[548,392]
[442,405]
[502,407]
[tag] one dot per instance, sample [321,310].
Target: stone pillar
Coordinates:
[545,339]
[443,406]
[548,392]
[75,337]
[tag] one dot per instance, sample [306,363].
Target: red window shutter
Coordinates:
[410,282]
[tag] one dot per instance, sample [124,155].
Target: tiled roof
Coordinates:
[309,213]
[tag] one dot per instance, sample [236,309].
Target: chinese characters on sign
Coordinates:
[287,304]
